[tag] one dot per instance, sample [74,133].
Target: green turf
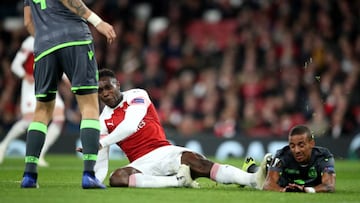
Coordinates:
[61,183]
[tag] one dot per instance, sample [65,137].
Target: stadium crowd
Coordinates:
[222,67]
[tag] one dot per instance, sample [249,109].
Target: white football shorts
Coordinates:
[160,162]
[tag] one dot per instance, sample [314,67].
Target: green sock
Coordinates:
[34,142]
[89,136]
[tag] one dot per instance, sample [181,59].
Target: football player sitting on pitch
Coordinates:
[130,120]
[299,167]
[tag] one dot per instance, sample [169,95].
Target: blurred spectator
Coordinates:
[226,68]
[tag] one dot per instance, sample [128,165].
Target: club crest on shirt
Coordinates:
[138,101]
[312,172]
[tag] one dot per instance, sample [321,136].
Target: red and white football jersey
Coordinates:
[149,134]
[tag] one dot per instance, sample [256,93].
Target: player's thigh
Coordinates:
[47,74]
[162,161]
[81,68]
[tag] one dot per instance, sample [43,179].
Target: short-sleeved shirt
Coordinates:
[63,44]
[56,26]
[322,161]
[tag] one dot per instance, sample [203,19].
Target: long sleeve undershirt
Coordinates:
[133,117]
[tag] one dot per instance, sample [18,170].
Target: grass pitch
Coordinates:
[61,182]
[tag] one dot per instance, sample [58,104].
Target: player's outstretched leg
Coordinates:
[184,177]
[89,181]
[249,165]
[2,152]
[16,131]
[260,175]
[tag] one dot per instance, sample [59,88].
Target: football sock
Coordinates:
[228,174]
[34,142]
[102,164]
[89,136]
[54,131]
[147,181]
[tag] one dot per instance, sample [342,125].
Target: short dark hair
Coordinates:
[301,129]
[106,73]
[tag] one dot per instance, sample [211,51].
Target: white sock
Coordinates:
[16,131]
[53,133]
[147,181]
[227,174]
[102,164]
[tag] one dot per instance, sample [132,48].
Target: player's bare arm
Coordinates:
[327,183]
[80,9]
[28,21]
[271,182]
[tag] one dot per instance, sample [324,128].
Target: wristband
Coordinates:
[94,19]
[309,190]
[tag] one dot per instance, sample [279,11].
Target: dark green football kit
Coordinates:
[309,175]
[63,44]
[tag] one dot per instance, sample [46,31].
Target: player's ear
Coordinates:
[312,142]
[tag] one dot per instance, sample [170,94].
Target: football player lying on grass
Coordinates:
[299,167]
[130,120]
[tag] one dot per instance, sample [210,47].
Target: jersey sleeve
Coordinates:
[278,161]
[103,128]
[138,101]
[138,97]
[21,56]
[28,44]
[327,165]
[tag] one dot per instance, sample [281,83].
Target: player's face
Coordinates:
[301,147]
[109,91]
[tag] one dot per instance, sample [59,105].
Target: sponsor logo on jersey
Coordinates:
[138,101]
[291,171]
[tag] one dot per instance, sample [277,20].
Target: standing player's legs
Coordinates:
[46,75]
[34,142]
[80,67]
[54,129]
[89,136]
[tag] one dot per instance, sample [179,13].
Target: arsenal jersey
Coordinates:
[149,134]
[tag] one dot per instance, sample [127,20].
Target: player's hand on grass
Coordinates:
[80,149]
[292,187]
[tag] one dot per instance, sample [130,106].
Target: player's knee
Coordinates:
[119,178]
[199,165]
